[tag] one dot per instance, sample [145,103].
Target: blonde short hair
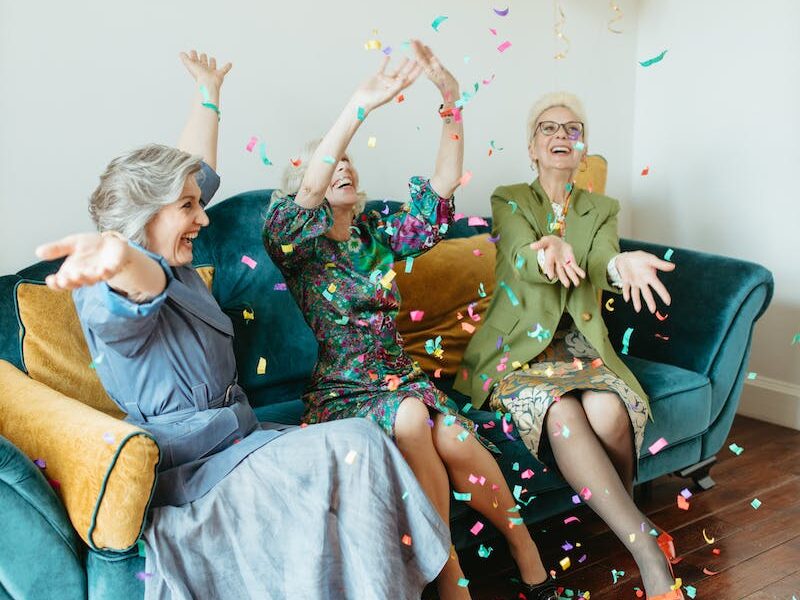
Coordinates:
[551,99]
[292,176]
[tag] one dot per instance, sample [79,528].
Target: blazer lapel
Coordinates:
[536,207]
[580,223]
[189,291]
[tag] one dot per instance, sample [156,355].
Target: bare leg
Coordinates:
[611,425]
[462,459]
[584,463]
[415,441]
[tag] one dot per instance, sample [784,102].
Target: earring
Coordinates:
[584,165]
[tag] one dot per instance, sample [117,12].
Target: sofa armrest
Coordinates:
[103,469]
[37,543]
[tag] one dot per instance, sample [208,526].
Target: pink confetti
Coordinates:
[279,287]
[569,520]
[489,425]
[249,261]
[493,31]
[476,529]
[473,478]
[471,312]
[251,144]
[504,46]
[468,327]
[416,315]
[465,178]
[488,81]
[457,115]
[658,446]
[527,474]
[476,221]
[586,493]
[458,216]
[477,252]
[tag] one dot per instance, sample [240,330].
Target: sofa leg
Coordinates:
[700,473]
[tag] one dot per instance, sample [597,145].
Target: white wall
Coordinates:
[84,81]
[718,122]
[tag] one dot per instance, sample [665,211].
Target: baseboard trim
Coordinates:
[771,400]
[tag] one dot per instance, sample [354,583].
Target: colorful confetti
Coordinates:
[249,262]
[372,141]
[668,254]
[756,503]
[437,22]
[504,46]
[658,446]
[651,61]
[501,12]
[351,456]
[262,365]
[484,552]
[466,497]
[736,449]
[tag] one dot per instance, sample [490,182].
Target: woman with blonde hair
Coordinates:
[338,264]
[543,354]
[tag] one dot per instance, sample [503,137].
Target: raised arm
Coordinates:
[450,158]
[376,91]
[200,134]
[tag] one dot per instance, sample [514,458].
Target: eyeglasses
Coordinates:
[573,129]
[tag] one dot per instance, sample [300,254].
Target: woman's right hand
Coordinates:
[559,260]
[381,87]
[91,257]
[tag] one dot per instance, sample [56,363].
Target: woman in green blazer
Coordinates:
[543,354]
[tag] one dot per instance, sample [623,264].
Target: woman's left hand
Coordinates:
[441,77]
[639,272]
[204,68]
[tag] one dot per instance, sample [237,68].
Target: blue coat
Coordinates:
[169,364]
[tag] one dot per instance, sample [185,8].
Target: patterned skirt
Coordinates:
[569,363]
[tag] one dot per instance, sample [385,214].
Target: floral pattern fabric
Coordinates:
[347,293]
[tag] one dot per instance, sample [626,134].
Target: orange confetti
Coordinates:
[406,540]
[437,373]
[400,98]
[468,327]
[296,162]
[708,571]
[646,171]
[683,503]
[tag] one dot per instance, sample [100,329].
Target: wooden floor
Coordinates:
[758,550]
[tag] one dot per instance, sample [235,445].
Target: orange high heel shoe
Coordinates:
[671,595]
[667,546]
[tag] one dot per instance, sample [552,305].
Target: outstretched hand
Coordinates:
[559,260]
[438,74]
[639,272]
[91,257]
[204,68]
[381,87]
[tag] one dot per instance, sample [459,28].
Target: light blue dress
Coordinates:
[244,509]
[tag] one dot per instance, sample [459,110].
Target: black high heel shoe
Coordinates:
[546,590]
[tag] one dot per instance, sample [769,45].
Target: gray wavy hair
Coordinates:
[136,185]
[292,176]
[565,99]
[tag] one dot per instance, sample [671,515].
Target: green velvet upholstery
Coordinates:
[40,554]
[693,379]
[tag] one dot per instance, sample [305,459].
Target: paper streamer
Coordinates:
[560,20]
[511,296]
[651,61]
[617,17]
[262,149]
[437,22]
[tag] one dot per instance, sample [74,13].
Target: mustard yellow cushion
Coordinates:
[443,283]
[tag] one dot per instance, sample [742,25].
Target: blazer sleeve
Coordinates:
[516,235]
[605,246]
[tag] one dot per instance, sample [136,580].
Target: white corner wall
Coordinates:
[84,81]
[718,121]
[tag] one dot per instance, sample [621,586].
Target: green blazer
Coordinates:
[520,214]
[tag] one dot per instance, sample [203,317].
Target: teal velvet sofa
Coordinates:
[692,365]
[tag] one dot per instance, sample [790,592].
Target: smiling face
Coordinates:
[343,189]
[172,231]
[556,151]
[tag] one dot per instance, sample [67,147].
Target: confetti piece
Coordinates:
[416,315]
[361,114]
[632,537]
[706,538]
[661,317]
[262,365]
[437,373]
[251,144]
[296,162]
[249,261]
[651,61]
[617,17]
[569,520]
[140,548]
[565,563]
[468,327]
[329,159]
[617,574]
[481,290]
[579,146]
[248,315]
[683,503]
[372,141]
[465,178]
[709,572]
[406,539]
[462,436]
[658,446]
[566,546]
[576,499]
[586,494]
[645,171]
[501,12]
[751,375]
[463,582]
[262,150]
[668,254]
[143,576]
[477,221]
[484,552]
[736,449]
[691,591]
[108,438]
[686,493]
[40,462]
[756,503]
[471,311]
[511,296]
[466,497]
[504,46]
[559,30]
[795,339]
[677,585]
[351,456]
[626,338]
[279,287]
[437,22]
[526,474]
[565,431]
[476,529]
[400,98]
[516,521]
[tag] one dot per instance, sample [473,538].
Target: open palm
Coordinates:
[204,68]
[381,87]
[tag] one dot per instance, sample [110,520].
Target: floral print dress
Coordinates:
[347,292]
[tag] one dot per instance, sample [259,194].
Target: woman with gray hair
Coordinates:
[241,509]
[575,404]
[338,264]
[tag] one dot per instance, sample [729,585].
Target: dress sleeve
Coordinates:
[114,319]
[419,224]
[290,230]
[208,180]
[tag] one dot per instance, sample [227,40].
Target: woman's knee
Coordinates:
[411,425]
[450,443]
[606,415]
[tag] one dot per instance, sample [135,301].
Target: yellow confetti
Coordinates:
[351,456]
[707,539]
[372,45]
[386,280]
[248,315]
[631,537]
[609,302]
[565,563]
[262,365]
[287,248]
[372,141]
[332,288]
[677,585]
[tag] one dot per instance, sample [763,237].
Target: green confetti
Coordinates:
[438,21]
[462,436]
[463,582]
[691,591]
[466,408]
[520,262]
[484,552]
[449,420]
[409,264]
[654,60]
[626,338]
[466,497]
[516,521]
[518,493]
[796,339]
[404,496]
[515,466]
[361,113]
[140,547]
[751,375]
[756,503]
[329,159]
[511,296]
[736,449]
[481,291]
[514,206]
[262,149]
[668,254]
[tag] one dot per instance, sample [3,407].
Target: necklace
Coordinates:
[560,223]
